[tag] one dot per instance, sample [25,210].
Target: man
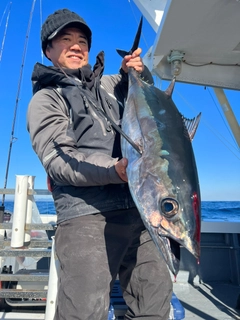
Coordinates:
[100,234]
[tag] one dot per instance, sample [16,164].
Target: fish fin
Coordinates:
[123,53]
[169,90]
[164,153]
[191,125]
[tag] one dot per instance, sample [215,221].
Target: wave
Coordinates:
[221,210]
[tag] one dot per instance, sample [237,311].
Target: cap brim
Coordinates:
[82,26]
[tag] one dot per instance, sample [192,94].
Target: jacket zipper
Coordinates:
[110,110]
[93,113]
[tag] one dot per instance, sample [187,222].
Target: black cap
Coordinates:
[60,19]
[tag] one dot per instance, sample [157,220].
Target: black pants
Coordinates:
[93,250]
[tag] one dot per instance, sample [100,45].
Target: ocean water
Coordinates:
[221,211]
[211,210]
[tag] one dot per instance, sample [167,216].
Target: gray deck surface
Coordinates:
[209,301]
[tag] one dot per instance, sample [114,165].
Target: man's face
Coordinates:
[69,49]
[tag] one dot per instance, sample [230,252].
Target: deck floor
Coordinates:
[21,316]
[207,301]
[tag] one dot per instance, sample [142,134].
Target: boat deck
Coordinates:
[208,301]
[209,290]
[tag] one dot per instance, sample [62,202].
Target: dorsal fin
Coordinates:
[123,53]
[169,90]
[191,125]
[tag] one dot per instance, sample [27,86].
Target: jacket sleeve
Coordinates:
[53,140]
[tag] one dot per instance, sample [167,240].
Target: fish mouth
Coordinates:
[170,250]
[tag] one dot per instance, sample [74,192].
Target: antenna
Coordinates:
[16,105]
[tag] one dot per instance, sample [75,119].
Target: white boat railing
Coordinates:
[21,244]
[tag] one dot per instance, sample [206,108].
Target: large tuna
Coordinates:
[162,173]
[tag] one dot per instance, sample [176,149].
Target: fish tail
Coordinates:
[123,53]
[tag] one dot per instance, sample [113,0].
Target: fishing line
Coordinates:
[220,113]
[12,139]
[4,13]
[137,21]
[40,5]
[5,31]
[226,143]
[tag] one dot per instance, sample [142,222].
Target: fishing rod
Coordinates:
[12,138]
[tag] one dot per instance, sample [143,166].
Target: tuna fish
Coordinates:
[162,172]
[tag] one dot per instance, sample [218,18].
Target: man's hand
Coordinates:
[120,168]
[134,60]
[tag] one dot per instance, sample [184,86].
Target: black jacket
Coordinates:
[75,141]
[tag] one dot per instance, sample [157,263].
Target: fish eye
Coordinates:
[169,207]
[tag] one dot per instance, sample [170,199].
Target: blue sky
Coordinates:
[113,24]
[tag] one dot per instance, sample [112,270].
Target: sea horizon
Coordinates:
[210,210]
